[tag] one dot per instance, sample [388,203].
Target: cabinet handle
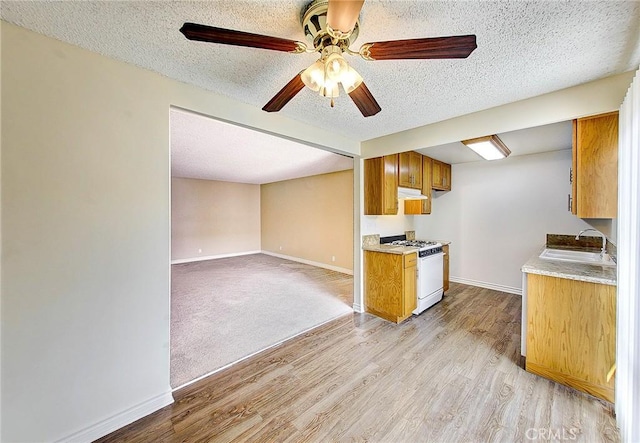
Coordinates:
[570,175]
[569,202]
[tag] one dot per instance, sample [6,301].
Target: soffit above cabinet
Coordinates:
[553,137]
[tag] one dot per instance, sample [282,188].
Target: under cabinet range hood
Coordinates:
[411,194]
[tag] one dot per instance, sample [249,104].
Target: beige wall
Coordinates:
[310,218]
[86,235]
[210,218]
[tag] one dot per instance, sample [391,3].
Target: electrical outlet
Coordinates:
[333,258]
[281,248]
[199,251]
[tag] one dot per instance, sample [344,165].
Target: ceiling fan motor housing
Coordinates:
[314,26]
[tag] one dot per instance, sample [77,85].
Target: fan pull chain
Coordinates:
[332,102]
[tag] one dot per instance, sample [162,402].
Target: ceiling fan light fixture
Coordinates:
[313,76]
[489,147]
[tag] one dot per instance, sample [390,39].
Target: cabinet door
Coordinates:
[381,185]
[383,284]
[445,268]
[436,174]
[426,184]
[404,170]
[574,169]
[410,298]
[596,169]
[410,170]
[446,176]
[390,185]
[416,169]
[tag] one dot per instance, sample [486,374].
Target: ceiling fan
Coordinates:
[331,26]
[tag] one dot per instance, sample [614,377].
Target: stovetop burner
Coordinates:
[425,247]
[415,243]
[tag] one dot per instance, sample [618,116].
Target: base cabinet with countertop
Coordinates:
[571,333]
[569,324]
[390,284]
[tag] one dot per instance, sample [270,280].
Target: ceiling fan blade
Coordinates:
[363,99]
[342,15]
[204,33]
[287,93]
[459,46]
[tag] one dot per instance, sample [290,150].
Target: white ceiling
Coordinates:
[525,48]
[208,149]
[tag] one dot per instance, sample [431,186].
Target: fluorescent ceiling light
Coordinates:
[489,147]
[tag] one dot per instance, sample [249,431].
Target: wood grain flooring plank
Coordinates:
[450,374]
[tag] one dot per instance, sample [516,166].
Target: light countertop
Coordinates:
[606,275]
[391,249]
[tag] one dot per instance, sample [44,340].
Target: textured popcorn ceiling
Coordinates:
[525,48]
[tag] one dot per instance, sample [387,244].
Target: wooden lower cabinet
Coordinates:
[390,285]
[445,268]
[571,333]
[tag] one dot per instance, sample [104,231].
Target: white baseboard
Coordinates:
[357,308]
[212,257]
[482,284]
[119,420]
[309,262]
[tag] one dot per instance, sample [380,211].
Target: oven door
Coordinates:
[430,275]
[430,281]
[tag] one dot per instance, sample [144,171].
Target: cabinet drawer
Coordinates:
[410,260]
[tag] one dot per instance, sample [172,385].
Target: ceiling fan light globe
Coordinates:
[350,80]
[313,76]
[330,89]
[335,66]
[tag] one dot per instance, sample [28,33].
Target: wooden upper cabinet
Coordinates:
[410,170]
[418,207]
[595,166]
[441,176]
[381,185]
[426,184]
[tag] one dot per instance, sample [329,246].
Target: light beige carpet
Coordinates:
[226,309]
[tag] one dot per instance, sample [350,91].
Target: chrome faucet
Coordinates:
[604,239]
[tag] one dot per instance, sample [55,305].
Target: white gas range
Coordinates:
[430,266]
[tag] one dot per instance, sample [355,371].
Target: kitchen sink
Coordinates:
[592,258]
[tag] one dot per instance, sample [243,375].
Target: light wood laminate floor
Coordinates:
[448,375]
